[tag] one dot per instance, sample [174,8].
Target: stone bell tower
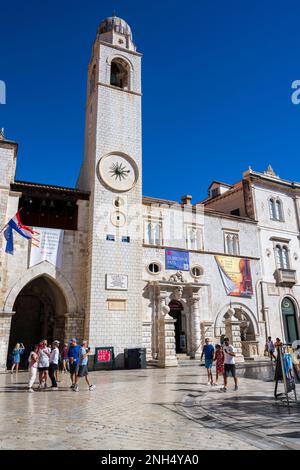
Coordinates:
[111,171]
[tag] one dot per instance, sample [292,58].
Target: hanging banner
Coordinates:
[236,275]
[178,260]
[50,247]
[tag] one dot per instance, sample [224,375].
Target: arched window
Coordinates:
[154,233]
[289,320]
[194,238]
[272,208]
[232,243]
[282,257]
[119,74]
[276,212]
[278,256]
[285,258]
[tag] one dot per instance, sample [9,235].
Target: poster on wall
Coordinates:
[236,275]
[50,247]
[178,260]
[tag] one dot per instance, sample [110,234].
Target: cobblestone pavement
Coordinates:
[147,409]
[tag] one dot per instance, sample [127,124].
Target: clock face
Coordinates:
[118,172]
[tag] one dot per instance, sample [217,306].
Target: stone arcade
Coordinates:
[115,283]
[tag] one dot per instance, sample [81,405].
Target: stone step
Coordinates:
[183,357]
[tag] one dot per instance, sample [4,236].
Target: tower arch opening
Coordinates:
[120,74]
[40,309]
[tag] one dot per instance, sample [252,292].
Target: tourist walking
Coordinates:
[33,365]
[16,356]
[57,377]
[53,364]
[83,367]
[219,358]
[208,352]
[229,364]
[43,364]
[64,357]
[270,347]
[73,355]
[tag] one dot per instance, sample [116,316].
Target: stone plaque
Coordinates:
[116,304]
[273,289]
[117,281]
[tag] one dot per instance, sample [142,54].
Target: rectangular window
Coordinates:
[110,238]
[126,239]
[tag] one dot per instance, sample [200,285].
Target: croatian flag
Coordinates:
[16,224]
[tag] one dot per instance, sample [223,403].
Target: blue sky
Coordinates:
[216,88]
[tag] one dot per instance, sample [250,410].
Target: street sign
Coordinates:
[104,357]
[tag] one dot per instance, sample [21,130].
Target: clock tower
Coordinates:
[111,172]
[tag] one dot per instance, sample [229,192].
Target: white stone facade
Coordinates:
[279,279]
[119,235]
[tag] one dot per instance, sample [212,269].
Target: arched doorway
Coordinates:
[40,314]
[289,320]
[249,331]
[176,309]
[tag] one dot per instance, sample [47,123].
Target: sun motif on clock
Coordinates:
[119,171]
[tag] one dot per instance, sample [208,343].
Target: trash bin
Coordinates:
[135,358]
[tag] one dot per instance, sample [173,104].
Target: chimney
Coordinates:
[186,199]
[2,133]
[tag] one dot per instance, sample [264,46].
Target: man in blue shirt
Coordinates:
[83,367]
[208,352]
[73,355]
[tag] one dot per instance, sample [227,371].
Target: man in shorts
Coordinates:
[229,364]
[208,352]
[83,367]
[73,355]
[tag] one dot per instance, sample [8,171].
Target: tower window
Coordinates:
[119,74]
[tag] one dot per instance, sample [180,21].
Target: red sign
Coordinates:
[104,355]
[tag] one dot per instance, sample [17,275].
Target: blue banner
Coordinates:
[178,260]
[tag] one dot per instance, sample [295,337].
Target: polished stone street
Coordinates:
[148,409]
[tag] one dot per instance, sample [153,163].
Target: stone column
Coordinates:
[147,339]
[5,322]
[195,328]
[262,337]
[166,335]
[207,331]
[233,332]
